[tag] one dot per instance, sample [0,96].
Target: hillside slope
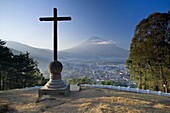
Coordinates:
[43,56]
[88,100]
[97,48]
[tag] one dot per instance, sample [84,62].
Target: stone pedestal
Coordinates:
[55,86]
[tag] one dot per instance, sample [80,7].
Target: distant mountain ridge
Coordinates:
[96,47]
[43,56]
[92,49]
[23,48]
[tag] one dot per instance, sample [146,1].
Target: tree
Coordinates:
[5,65]
[84,80]
[149,58]
[26,71]
[18,71]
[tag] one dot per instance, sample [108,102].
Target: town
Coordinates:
[98,71]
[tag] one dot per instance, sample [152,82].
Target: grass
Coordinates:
[88,100]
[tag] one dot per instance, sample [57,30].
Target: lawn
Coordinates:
[88,100]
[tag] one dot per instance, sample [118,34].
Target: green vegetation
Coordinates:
[108,82]
[17,71]
[114,83]
[84,80]
[149,58]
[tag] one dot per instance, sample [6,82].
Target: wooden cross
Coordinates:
[55,19]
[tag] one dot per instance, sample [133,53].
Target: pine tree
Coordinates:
[5,65]
[18,71]
[26,71]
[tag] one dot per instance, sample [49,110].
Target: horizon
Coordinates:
[110,20]
[100,43]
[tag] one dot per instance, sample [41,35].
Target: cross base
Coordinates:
[55,86]
[53,92]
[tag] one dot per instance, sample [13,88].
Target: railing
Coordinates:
[29,88]
[137,90]
[21,89]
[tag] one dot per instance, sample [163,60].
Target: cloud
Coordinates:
[104,42]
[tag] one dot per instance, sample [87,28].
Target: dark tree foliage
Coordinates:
[84,80]
[5,64]
[17,71]
[149,59]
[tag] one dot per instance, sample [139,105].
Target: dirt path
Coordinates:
[88,100]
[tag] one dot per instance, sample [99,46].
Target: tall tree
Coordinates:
[5,65]
[18,71]
[26,71]
[149,59]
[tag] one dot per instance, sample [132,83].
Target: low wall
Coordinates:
[137,90]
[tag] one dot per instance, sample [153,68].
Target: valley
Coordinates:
[96,58]
[97,71]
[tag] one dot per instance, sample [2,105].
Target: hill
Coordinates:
[93,49]
[43,56]
[97,48]
[88,100]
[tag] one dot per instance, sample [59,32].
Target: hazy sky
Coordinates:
[109,19]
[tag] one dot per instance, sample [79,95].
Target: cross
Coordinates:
[55,19]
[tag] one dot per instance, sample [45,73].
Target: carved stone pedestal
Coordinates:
[55,86]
